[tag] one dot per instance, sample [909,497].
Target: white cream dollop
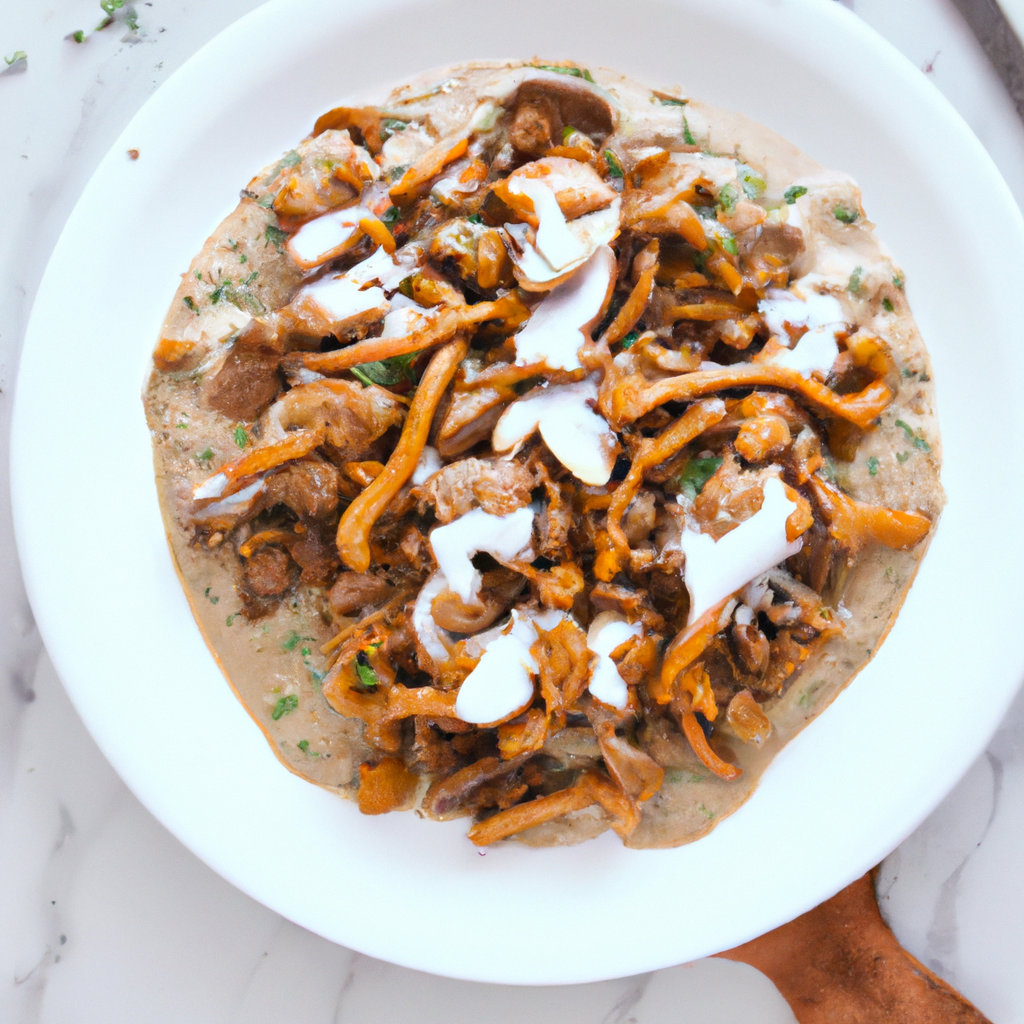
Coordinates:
[577,436]
[816,351]
[501,685]
[455,544]
[429,463]
[326,236]
[555,242]
[341,298]
[823,317]
[607,632]
[716,569]
[555,331]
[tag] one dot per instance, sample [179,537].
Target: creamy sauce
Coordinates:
[815,352]
[341,298]
[500,685]
[576,435]
[607,632]
[823,317]
[430,462]
[716,569]
[555,242]
[322,238]
[233,504]
[555,331]
[455,544]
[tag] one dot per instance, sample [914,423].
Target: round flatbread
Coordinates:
[544,448]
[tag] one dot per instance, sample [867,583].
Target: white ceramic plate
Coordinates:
[117,626]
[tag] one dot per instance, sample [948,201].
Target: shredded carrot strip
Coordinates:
[712,310]
[431,163]
[441,328]
[358,519]
[652,452]
[297,444]
[699,742]
[630,402]
[592,788]
[853,523]
[685,649]
[257,540]
[377,231]
[633,308]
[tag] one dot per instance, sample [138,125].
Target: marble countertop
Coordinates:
[106,918]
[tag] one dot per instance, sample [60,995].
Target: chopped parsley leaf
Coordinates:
[567,131]
[845,214]
[854,285]
[266,200]
[630,340]
[391,216]
[230,620]
[753,183]
[707,814]
[78,36]
[793,193]
[922,445]
[888,306]
[475,218]
[303,745]
[233,244]
[687,134]
[390,125]
[588,77]
[364,670]
[284,706]
[387,371]
[898,281]
[728,243]
[902,457]
[206,594]
[241,437]
[669,101]
[243,258]
[305,652]
[906,428]
[204,458]
[614,167]
[275,236]
[291,641]
[873,466]
[575,72]
[290,159]
[727,198]
[191,303]
[695,474]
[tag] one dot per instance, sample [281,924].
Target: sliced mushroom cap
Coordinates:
[578,102]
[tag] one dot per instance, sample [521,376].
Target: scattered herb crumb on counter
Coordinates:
[543,449]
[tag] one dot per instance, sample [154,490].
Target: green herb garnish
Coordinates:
[230,620]
[614,167]
[204,458]
[78,36]
[303,745]
[793,193]
[285,706]
[906,428]
[898,281]
[727,241]
[873,466]
[290,159]
[687,134]
[575,72]
[387,371]
[845,214]
[854,285]
[669,101]
[710,815]
[727,198]
[365,671]
[630,340]
[275,236]
[695,474]
[191,303]
[390,125]
[752,182]
[266,200]
[567,131]
[888,306]
[241,437]
[902,457]
[475,218]
[292,640]
[391,216]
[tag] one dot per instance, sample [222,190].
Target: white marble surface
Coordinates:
[105,918]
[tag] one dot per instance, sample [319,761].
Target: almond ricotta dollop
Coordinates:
[455,544]
[716,569]
[607,632]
